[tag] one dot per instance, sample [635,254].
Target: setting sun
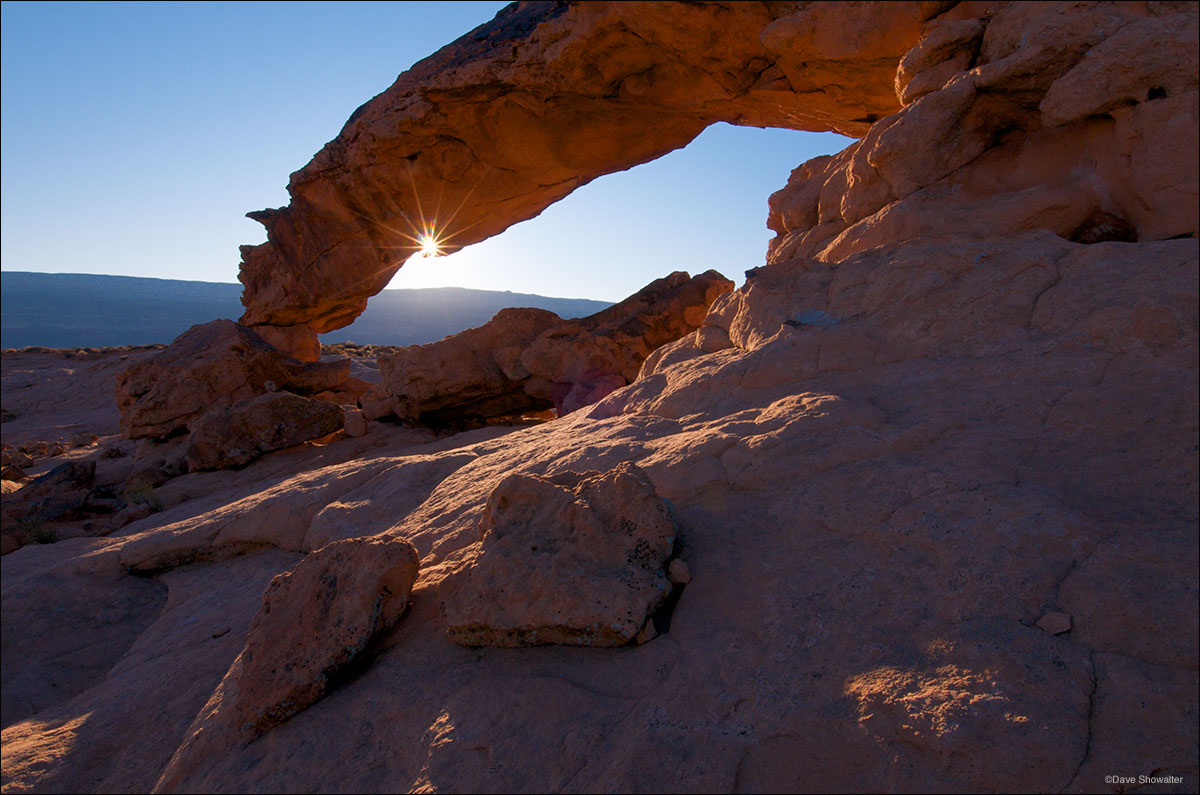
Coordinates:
[429,246]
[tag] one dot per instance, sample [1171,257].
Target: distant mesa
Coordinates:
[76,310]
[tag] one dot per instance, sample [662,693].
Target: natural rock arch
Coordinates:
[515,115]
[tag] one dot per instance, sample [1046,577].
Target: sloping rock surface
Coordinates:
[889,459]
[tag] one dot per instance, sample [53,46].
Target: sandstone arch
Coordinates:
[518,113]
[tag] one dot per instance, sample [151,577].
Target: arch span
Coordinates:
[513,116]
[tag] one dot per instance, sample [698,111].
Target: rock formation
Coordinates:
[933,468]
[577,558]
[518,113]
[529,359]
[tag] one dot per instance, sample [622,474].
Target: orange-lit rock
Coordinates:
[495,127]
[577,559]
[531,359]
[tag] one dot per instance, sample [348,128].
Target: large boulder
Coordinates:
[212,366]
[316,622]
[530,359]
[236,435]
[577,558]
[209,366]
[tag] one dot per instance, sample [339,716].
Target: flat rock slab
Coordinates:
[577,558]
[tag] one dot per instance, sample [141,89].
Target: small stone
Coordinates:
[356,423]
[678,572]
[1055,623]
[647,634]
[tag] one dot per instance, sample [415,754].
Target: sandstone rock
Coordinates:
[238,434]
[355,423]
[299,341]
[55,495]
[530,359]
[208,367]
[575,559]
[315,622]
[929,420]
[678,572]
[1055,623]
[980,93]
[613,85]
[375,402]
[475,372]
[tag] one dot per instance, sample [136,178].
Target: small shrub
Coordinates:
[142,493]
[7,416]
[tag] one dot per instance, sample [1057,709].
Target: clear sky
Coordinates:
[135,136]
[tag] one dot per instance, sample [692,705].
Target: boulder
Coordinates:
[317,619]
[316,623]
[55,495]
[212,366]
[577,559]
[234,436]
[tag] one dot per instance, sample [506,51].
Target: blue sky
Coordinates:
[135,136]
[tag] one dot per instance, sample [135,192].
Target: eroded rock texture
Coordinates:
[531,359]
[315,622]
[891,461]
[519,112]
[1077,118]
[577,558]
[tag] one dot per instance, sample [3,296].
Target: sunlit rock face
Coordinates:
[1079,119]
[515,115]
[530,359]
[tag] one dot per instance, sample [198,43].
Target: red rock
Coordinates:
[355,423]
[238,434]
[209,366]
[530,359]
[315,621]
[575,559]
[1055,623]
[611,91]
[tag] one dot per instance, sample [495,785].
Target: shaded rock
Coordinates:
[238,434]
[475,372]
[530,359]
[317,619]
[208,367]
[315,622]
[59,493]
[577,559]
[375,402]
[678,572]
[311,378]
[1055,623]
[355,423]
